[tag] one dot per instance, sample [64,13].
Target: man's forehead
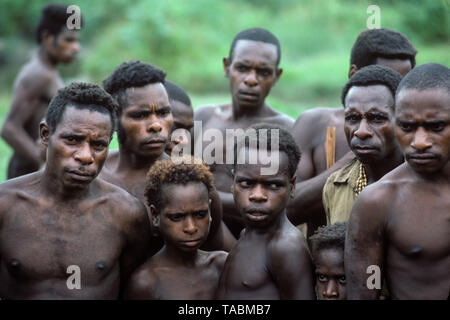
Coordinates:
[402,66]
[151,94]
[79,118]
[179,195]
[366,97]
[181,110]
[256,159]
[426,103]
[255,51]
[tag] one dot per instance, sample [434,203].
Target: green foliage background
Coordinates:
[189,38]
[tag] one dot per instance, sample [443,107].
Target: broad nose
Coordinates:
[84,154]
[154,124]
[421,140]
[257,194]
[331,290]
[190,227]
[251,79]
[76,47]
[364,131]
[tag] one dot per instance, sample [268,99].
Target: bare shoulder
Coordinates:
[313,118]
[142,283]
[288,241]
[206,112]
[216,258]
[124,204]
[18,190]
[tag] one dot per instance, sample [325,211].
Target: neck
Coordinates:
[240,111]
[129,160]
[45,58]
[441,177]
[276,224]
[179,257]
[54,188]
[376,170]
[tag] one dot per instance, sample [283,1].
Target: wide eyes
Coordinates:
[244,184]
[342,280]
[322,278]
[406,127]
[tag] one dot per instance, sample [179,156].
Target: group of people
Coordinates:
[359,207]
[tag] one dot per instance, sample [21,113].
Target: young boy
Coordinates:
[327,248]
[179,199]
[271,259]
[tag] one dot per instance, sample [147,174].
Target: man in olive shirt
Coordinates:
[368,99]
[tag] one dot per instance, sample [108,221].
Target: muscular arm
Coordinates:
[24,103]
[137,234]
[291,267]
[364,244]
[308,194]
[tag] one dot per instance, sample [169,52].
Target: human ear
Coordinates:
[44,132]
[278,73]
[226,66]
[292,183]
[155,216]
[352,70]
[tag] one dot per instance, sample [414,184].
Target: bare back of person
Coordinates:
[41,236]
[310,133]
[160,278]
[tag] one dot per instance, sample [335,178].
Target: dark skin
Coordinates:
[309,132]
[34,87]
[271,259]
[182,119]
[66,216]
[252,73]
[146,122]
[400,222]
[330,274]
[180,270]
[369,129]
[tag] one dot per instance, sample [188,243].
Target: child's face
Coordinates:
[262,198]
[185,217]
[330,274]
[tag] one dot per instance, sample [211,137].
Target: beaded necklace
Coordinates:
[361,182]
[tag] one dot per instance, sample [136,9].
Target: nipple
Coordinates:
[101,265]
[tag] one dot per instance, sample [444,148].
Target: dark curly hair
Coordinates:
[331,236]
[426,76]
[256,34]
[165,172]
[286,144]
[176,93]
[130,75]
[372,75]
[53,18]
[381,43]
[80,95]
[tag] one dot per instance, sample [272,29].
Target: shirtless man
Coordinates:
[178,196]
[375,46]
[35,86]
[144,123]
[63,217]
[402,223]
[252,70]
[271,259]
